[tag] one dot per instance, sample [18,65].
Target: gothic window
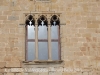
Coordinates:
[42,38]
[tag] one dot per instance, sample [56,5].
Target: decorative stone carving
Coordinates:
[41,20]
[55,20]
[30,20]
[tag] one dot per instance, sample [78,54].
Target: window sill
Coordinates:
[43,62]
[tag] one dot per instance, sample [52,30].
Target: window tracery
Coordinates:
[43,20]
[30,20]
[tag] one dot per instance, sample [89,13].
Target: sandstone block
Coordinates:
[3,17]
[1,73]
[13,17]
[2,64]
[7,12]
[10,74]
[13,64]
[93,26]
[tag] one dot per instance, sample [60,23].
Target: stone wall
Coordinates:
[80,37]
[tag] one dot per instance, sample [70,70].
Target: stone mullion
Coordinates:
[49,42]
[36,42]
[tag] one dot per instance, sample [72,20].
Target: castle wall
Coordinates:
[80,36]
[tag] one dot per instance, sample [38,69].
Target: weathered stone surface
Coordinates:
[3,17]
[13,17]
[2,64]
[34,73]
[3,8]
[1,73]
[13,64]
[80,36]
[10,74]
